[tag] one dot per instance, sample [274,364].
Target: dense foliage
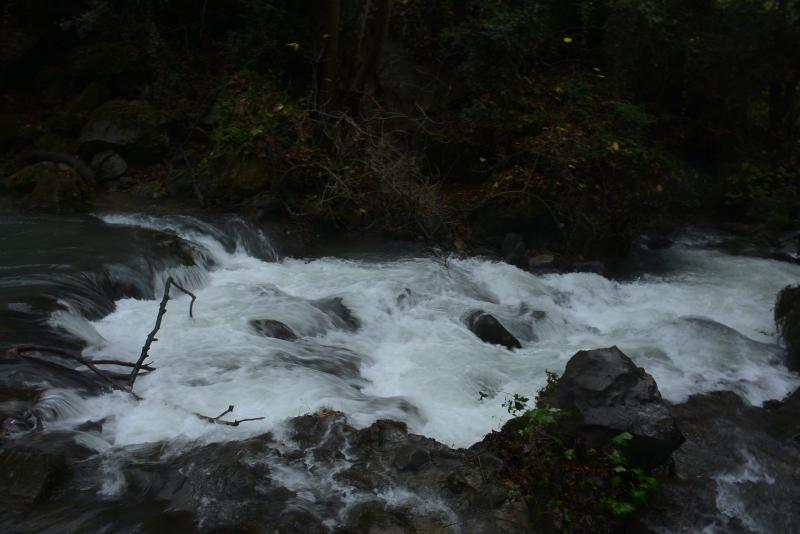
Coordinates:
[575,122]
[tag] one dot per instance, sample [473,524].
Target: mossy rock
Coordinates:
[787,319]
[70,120]
[92,97]
[10,126]
[50,187]
[133,128]
[230,181]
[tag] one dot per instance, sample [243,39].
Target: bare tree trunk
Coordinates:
[331,75]
[372,46]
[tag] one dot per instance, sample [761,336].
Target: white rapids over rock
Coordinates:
[704,324]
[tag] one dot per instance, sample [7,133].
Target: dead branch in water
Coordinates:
[219,421]
[151,337]
[44,350]
[107,377]
[115,380]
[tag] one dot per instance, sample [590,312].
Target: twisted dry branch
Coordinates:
[151,337]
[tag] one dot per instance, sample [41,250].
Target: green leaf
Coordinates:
[623,438]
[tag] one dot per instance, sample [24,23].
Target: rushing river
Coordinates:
[703,323]
[697,319]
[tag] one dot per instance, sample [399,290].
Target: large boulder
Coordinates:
[134,129]
[787,319]
[490,330]
[50,187]
[612,395]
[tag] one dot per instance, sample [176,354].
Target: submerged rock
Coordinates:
[490,330]
[271,328]
[787,319]
[612,396]
[340,314]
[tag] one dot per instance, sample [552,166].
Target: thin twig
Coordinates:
[218,419]
[145,367]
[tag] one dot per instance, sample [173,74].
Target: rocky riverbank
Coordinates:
[571,472]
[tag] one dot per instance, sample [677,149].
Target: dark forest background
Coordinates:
[577,123]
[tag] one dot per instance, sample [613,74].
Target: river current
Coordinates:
[702,323]
[696,318]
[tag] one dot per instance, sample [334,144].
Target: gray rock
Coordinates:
[596,267]
[132,128]
[612,396]
[28,475]
[276,329]
[340,314]
[411,458]
[514,250]
[108,165]
[490,330]
[50,187]
[542,262]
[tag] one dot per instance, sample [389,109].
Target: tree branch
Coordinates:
[151,337]
[218,419]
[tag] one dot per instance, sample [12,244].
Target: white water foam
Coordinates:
[705,325]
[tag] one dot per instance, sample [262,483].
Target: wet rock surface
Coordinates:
[490,330]
[339,313]
[272,328]
[787,319]
[323,475]
[613,395]
[737,470]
